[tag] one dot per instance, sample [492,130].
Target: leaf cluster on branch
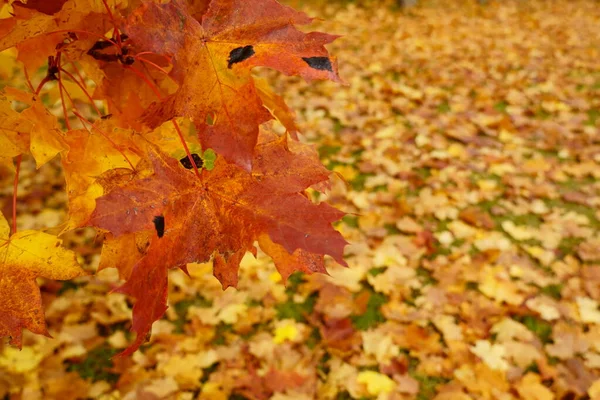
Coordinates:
[162,139]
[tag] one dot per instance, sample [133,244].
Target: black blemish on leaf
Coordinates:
[240,54]
[99,45]
[185,161]
[159,225]
[321,63]
[127,60]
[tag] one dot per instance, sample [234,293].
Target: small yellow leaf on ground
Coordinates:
[20,361]
[491,354]
[531,388]
[375,382]
[588,310]
[286,331]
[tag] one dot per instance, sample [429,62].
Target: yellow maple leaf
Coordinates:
[24,257]
[375,382]
[287,330]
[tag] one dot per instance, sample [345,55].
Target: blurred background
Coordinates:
[468,139]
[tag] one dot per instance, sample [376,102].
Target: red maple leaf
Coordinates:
[221,215]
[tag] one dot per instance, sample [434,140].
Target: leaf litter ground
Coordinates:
[469,138]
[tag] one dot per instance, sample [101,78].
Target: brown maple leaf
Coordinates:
[221,216]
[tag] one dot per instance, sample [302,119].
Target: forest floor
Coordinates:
[469,138]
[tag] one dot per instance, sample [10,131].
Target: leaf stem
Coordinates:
[187,150]
[145,79]
[62,99]
[15,188]
[175,124]
[110,14]
[28,80]
[42,83]
[83,88]
[153,64]
[105,135]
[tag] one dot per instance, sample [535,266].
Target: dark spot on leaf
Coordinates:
[107,116]
[187,164]
[99,45]
[321,63]
[127,60]
[159,225]
[240,54]
[103,57]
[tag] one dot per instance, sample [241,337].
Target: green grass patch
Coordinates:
[576,184]
[444,108]
[568,245]
[501,106]
[425,276]
[553,290]
[593,117]
[322,366]
[539,327]
[326,151]
[423,173]
[294,281]
[428,385]
[97,365]
[372,316]
[221,332]
[296,311]
[313,339]
[206,372]
[181,308]
[69,285]
[376,271]
[524,219]
[540,113]
[589,212]
[350,220]
[392,229]
[358,183]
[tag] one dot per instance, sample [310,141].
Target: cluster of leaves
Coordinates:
[169,155]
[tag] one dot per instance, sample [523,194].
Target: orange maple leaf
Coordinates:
[212,57]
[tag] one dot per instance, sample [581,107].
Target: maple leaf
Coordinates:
[48,7]
[212,57]
[90,154]
[286,263]
[14,133]
[220,216]
[276,105]
[25,256]
[38,26]
[124,252]
[45,137]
